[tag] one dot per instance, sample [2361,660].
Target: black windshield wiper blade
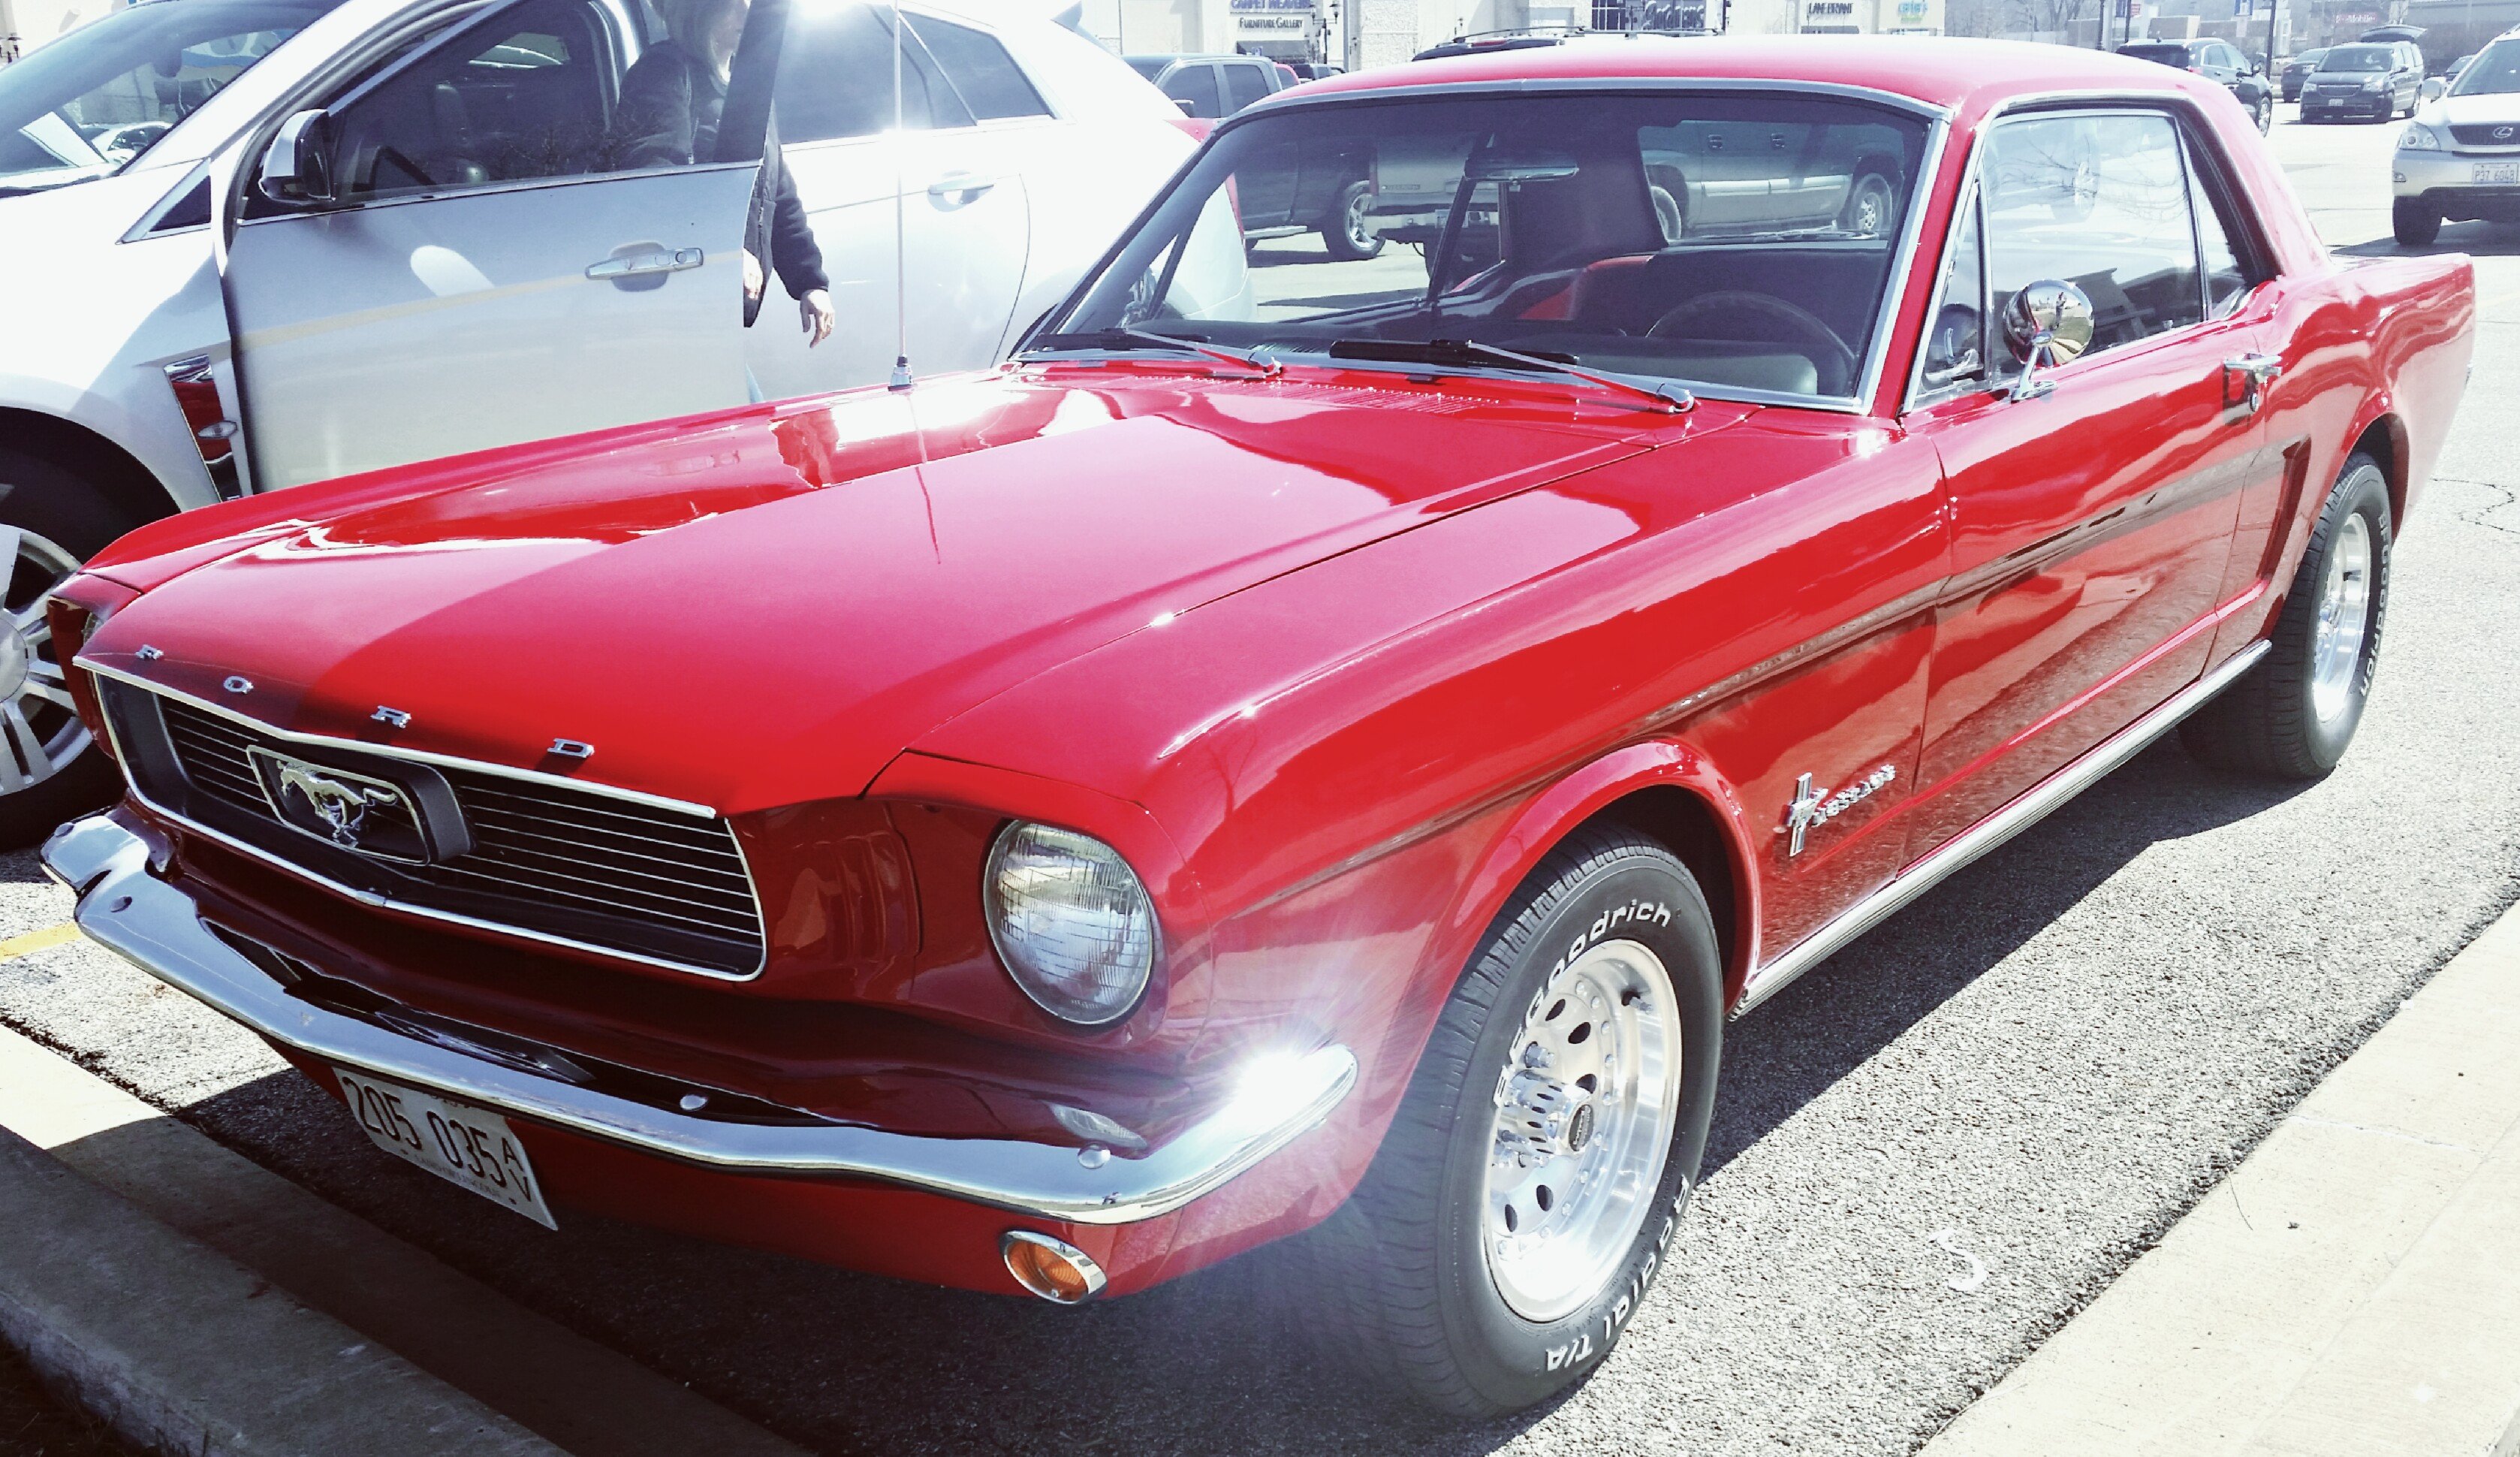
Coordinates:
[1119,338]
[1670,399]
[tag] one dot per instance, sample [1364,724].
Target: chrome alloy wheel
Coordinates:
[2344,619]
[1586,1107]
[1357,222]
[1868,212]
[40,733]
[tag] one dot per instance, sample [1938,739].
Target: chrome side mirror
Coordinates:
[2047,322]
[298,166]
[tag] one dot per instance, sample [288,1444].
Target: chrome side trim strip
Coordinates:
[2013,818]
[377,902]
[159,928]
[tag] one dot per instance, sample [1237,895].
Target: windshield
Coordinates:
[1735,244]
[2496,72]
[2308,59]
[84,105]
[2166,54]
[2357,58]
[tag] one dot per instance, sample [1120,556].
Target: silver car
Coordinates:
[2459,159]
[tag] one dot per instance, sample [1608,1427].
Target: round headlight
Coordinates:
[1073,925]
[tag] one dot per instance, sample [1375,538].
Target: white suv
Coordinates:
[249,243]
[2459,159]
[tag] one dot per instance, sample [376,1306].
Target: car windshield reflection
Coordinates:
[1735,244]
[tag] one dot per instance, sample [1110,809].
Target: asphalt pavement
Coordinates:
[1928,1155]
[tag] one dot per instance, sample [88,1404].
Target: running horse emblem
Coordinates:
[343,806]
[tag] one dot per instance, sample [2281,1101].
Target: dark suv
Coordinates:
[2372,80]
[2297,70]
[2218,61]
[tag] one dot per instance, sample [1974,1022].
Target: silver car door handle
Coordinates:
[638,265]
[960,184]
[2259,373]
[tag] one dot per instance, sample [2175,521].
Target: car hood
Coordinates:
[766,606]
[2475,111]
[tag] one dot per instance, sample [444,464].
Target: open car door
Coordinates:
[476,243]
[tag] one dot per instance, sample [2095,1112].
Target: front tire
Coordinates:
[2265,115]
[51,520]
[2293,716]
[1529,1187]
[1349,236]
[2414,224]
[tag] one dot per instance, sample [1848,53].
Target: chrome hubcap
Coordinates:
[1871,209]
[1585,1109]
[2344,621]
[40,732]
[1359,230]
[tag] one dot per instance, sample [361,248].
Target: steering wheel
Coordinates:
[1739,316]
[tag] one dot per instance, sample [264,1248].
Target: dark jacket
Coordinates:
[670,104]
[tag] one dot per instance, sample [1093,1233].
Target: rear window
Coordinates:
[2166,54]
[2357,58]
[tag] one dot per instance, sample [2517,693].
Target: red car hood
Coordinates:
[767,606]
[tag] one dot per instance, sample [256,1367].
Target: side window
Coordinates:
[530,93]
[2227,274]
[1244,83]
[1195,84]
[1956,337]
[2100,201]
[835,78]
[983,74]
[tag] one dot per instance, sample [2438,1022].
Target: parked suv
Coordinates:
[1213,87]
[399,276]
[2459,159]
[2373,81]
[2297,70]
[2218,61]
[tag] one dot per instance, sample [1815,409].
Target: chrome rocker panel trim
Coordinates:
[159,928]
[2029,809]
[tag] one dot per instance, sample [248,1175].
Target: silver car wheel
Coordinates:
[38,722]
[2344,621]
[1585,1112]
[1868,212]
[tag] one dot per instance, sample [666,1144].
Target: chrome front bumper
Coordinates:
[156,927]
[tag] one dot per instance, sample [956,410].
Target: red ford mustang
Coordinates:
[1317,739]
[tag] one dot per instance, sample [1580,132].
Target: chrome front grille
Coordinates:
[551,860]
[2482,134]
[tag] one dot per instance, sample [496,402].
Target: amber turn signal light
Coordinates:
[1053,1270]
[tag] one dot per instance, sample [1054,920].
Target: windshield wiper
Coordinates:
[1669,399]
[1119,338]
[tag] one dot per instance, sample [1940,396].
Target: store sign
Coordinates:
[1278,20]
[1912,12]
[1822,8]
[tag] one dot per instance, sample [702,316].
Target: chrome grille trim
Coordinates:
[724,894]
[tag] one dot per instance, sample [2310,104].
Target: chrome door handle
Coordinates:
[640,265]
[965,185]
[2258,374]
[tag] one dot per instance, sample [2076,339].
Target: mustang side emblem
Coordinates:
[1813,807]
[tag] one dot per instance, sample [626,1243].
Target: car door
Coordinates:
[962,225]
[482,259]
[2092,520]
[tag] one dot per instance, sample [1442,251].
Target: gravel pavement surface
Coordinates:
[1928,1154]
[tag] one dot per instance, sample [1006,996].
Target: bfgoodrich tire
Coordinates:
[1530,1187]
[2293,715]
[51,520]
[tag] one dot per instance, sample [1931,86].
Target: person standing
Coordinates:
[670,104]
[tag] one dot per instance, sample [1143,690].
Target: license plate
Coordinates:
[2497,175]
[2332,102]
[455,1141]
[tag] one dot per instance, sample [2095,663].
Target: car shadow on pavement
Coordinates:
[1233,1360]
[2489,239]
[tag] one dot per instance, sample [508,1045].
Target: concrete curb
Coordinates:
[587,1398]
[183,1350]
[2353,1288]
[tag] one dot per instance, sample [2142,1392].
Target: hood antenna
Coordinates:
[901,376]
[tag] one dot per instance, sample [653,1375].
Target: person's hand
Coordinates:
[751,277]
[816,310]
